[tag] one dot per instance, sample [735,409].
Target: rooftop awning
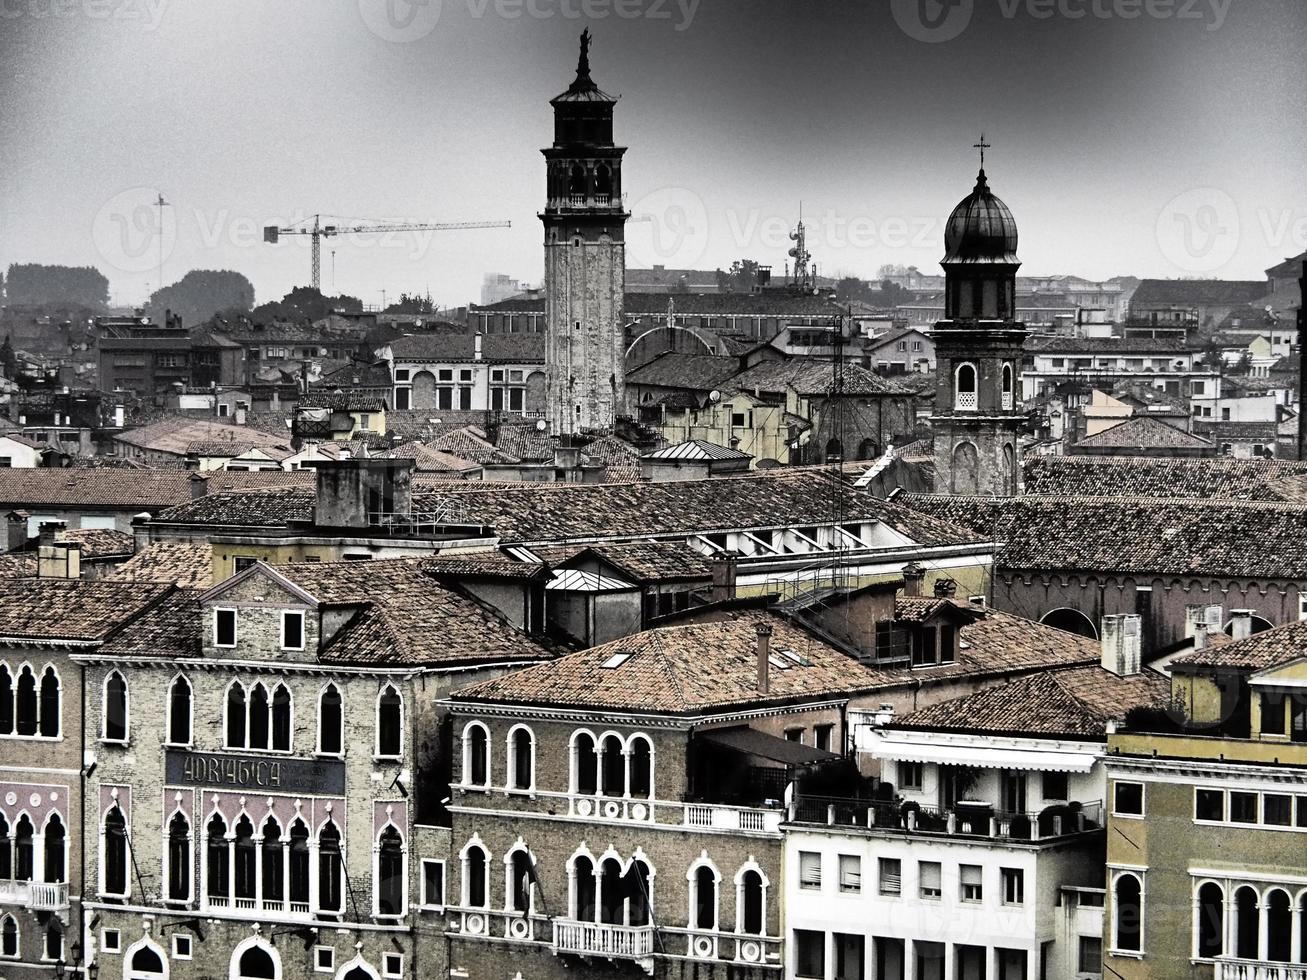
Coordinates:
[753,742]
[982,756]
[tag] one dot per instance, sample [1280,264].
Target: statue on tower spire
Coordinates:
[583,62]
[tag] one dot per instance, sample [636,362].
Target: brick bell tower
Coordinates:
[978,349]
[585,259]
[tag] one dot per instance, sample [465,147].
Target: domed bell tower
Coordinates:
[978,350]
[585,259]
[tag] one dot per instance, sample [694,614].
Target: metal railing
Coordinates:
[960,821]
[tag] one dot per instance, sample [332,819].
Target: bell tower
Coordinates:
[585,259]
[978,349]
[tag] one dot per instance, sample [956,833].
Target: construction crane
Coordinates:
[319,231]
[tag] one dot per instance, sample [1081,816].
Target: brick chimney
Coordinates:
[764,658]
[1241,622]
[49,531]
[199,486]
[913,576]
[1121,639]
[16,537]
[723,576]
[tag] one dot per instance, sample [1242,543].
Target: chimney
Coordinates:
[913,575]
[1121,644]
[1241,622]
[49,531]
[16,537]
[883,715]
[764,658]
[1302,361]
[476,347]
[62,560]
[199,486]
[945,588]
[723,576]
[1201,637]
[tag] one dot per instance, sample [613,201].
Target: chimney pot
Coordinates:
[1241,623]
[1121,644]
[945,588]
[764,658]
[49,531]
[913,575]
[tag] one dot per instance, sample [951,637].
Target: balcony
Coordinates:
[604,939]
[702,816]
[1230,968]
[39,896]
[974,820]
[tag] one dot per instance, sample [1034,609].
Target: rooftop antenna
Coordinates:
[161,204]
[333,271]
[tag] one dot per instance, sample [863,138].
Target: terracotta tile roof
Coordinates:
[121,489]
[620,459]
[686,670]
[343,401]
[1000,642]
[1270,648]
[173,435]
[20,564]
[697,372]
[1197,292]
[430,460]
[1229,479]
[918,609]
[1078,702]
[184,563]
[642,562]
[61,609]
[245,508]
[1106,346]
[812,377]
[170,630]
[470,443]
[450,348]
[1142,433]
[1245,539]
[99,542]
[524,441]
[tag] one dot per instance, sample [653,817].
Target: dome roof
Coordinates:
[981,229]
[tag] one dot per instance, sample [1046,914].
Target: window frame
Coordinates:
[235,631]
[178,938]
[388,957]
[806,883]
[318,965]
[317,747]
[377,754]
[286,614]
[104,710]
[424,900]
[844,888]
[1017,876]
[1143,799]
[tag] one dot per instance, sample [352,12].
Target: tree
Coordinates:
[33,285]
[201,293]
[851,288]
[742,277]
[8,359]
[304,304]
[892,294]
[412,304]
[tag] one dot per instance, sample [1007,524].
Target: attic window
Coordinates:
[799,659]
[616,660]
[778,662]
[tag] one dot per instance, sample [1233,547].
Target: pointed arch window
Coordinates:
[330,868]
[752,903]
[9,937]
[258,723]
[24,865]
[521,882]
[25,702]
[56,850]
[272,863]
[330,722]
[256,963]
[281,712]
[179,712]
[246,860]
[390,723]
[6,701]
[298,864]
[115,708]
[390,872]
[49,722]
[218,877]
[179,858]
[236,716]
[146,964]
[113,874]
[6,851]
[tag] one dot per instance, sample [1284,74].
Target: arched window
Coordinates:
[585,764]
[637,886]
[966,469]
[1126,913]
[603,181]
[281,718]
[113,875]
[614,766]
[331,720]
[24,865]
[641,767]
[752,902]
[1279,926]
[246,859]
[258,724]
[179,858]
[520,890]
[476,755]
[576,180]
[1211,920]
[54,940]
[26,701]
[521,762]
[6,701]
[272,862]
[390,872]
[330,868]
[8,936]
[56,864]
[390,723]
[179,712]
[611,896]
[49,726]
[1008,399]
[1246,924]
[256,963]
[6,851]
[583,889]
[236,716]
[964,388]
[217,885]
[476,868]
[115,708]
[299,863]
[703,897]
[146,963]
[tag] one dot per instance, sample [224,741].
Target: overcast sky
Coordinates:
[1144,137]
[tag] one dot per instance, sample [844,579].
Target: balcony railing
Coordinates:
[39,896]
[979,820]
[603,939]
[1230,968]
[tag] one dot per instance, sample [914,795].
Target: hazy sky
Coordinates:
[1145,137]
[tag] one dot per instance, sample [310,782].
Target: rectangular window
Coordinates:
[930,876]
[444,398]
[401,374]
[1277,810]
[809,954]
[911,775]
[224,627]
[433,884]
[1014,886]
[1090,958]
[465,375]
[821,736]
[1055,785]
[181,946]
[292,631]
[850,952]
[850,873]
[497,375]
[1243,807]
[1272,708]
[890,875]
[794,735]
[1209,804]
[809,870]
[392,964]
[111,941]
[403,399]
[324,959]
[445,374]
[972,883]
[516,399]
[242,562]
[1128,799]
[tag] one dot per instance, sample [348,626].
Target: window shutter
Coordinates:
[809,868]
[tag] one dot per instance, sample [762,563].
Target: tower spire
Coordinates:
[583,79]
